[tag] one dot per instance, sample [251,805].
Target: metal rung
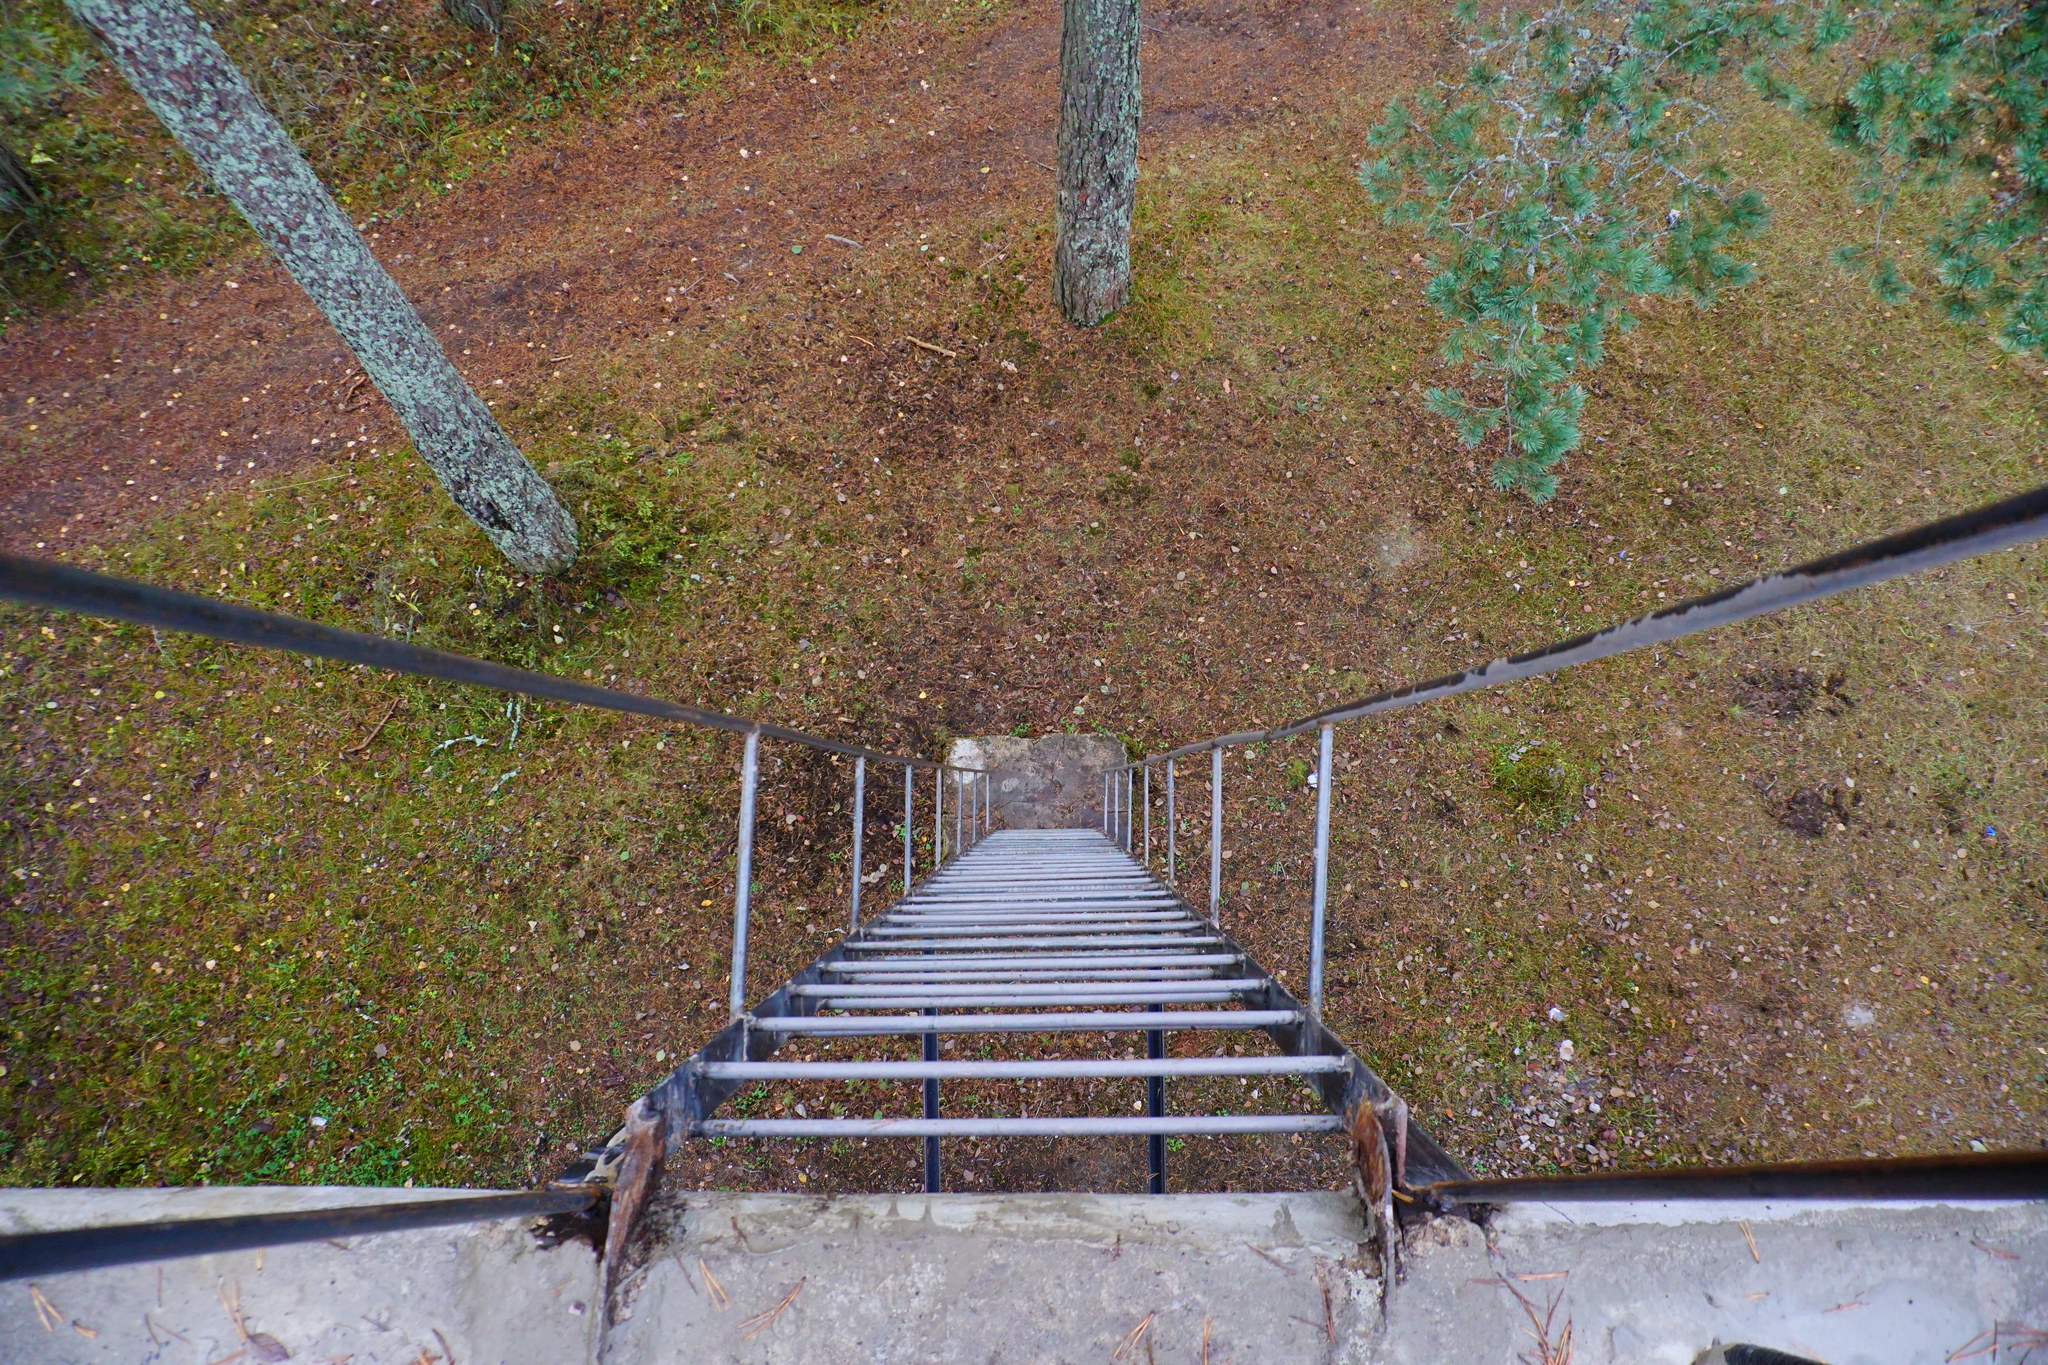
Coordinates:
[1079,1068]
[997,998]
[1193,1125]
[1025,905]
[1069,974]
[1095,924]
[1013,906]
[1136,1021]
[1026,988]
[1148,919]
[1046,961]
[897,945]
[1068,886]
[891,932]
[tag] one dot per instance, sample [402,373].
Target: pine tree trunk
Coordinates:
[171,59]
[1098,158]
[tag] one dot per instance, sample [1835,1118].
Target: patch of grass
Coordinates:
[1538,779]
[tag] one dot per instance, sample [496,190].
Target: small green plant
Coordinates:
[1297,773]
[1538,778]
[1575,167]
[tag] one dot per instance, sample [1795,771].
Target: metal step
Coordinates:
[1068,974]
[1074,1022]
[1075,1068]
[898,945]
[1190,1125]
[1046,961]
[1049,990]
[1202,993]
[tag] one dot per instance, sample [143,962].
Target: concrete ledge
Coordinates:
[1063,1277]
[1056,1278]
[486,1294]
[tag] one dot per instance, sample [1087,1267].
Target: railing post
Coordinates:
[938,817]
[743,892]
[1148,815]
[1169,822]
[1105,803]
[1130,805]
[909,828]
[959,815]
[1326,780]
[1216,835]
[860,810]
[930,1052]
[1155,1107]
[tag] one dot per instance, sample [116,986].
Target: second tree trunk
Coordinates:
[1098,158]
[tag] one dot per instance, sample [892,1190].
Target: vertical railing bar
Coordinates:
[938,818]
[1325,783]
[909,825]
[1148,815]
[1105,803]
[1169,822]
[743,890]
[1155,1106]
[931,1111]
[860,811]
[1216,836]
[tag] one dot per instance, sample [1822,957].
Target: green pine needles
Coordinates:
[1571,173]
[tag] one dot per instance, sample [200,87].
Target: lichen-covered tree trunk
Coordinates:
[171,59]
[1098,158]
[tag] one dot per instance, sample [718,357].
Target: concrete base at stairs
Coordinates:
[480,1293]
[1054,782]
[761,1279]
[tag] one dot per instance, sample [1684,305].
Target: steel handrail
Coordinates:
[1994,526]
[67,588]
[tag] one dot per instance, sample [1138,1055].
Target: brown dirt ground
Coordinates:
[139,404]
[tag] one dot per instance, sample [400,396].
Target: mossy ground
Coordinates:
[1790,915]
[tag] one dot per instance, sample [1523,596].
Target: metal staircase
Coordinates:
[1027,934]
[1032,932]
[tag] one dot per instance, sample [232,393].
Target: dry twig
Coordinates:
[46,1312]
[375,730]
[936,349]
[1549,1350]
[2001,1336]
[1131,1340]
[761,1322]
[719,1299]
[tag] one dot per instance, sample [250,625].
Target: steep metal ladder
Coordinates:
[1032,932]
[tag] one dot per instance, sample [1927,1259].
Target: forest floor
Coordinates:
[785,343]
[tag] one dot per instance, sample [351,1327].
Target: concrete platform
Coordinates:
[1057,1278]
[1054,782]
[446,1296]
